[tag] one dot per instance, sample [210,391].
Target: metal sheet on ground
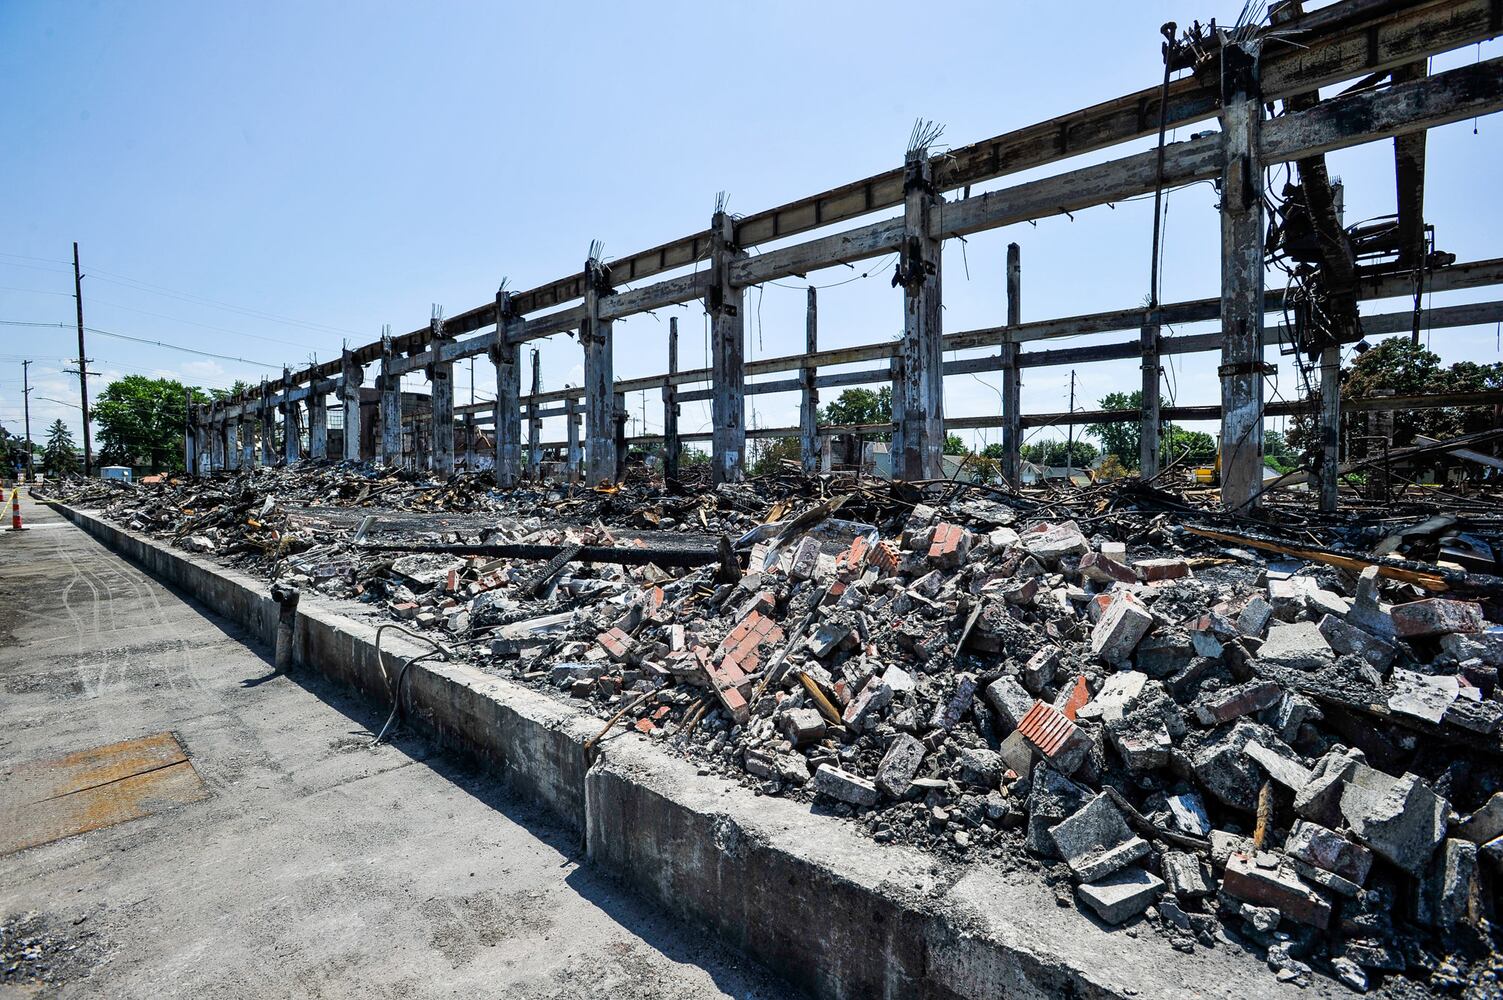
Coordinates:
[60,797]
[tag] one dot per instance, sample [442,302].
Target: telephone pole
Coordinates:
[31,474]
[83,368]
[1070,436]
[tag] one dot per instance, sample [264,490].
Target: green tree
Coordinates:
[1200,445]
[1277,453]
[1054,452]
[1120,438]
[60,456]
[769,455]
[861,406]
[955,445]
[142,418]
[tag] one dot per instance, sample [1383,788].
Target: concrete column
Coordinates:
[291,433]
[232,444]
[268,429]
[671,443]
[599,377]
[1148,441]
[727,357]
[441,389]
[190,439]
[1242,236]
[620,415]
[390,413]
[808,405]
[216,441]
[508,408]
[573,460]
[534,422]
[247,443]
[921,383]
[1012,382]
[350,379]
[318,424]
[1330,425]
[201,448]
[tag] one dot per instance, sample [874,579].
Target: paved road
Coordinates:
[314,866]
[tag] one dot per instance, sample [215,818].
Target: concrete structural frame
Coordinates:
[1239,75]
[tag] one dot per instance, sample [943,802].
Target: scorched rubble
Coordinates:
[1285,755]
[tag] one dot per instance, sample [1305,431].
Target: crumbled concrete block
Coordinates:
[803,727]
[1185,876]
[1253,618]
[1116,551]
[1347,639]
[1142,739]
[1051,797]
[805,559]
[1451,896]
[1225,844]
[866,707]
[1122,624]
[1300,646]
[1326,880]
[1002,539]
[1010,700]
[1095,840]
[899,764]
[1217,707]
[1101,568]
[1164,653]
[900,680]
[1248,880]
[1038,672]
[1482,717]
[981,767]
[1117,692]
[1320,602]
[1486,823]
[1154,570]
[1404,822]
[1436,616]
[1328,849]
[565,674]
[948,712]
[1484,646]
[1422,696]
[1367,610]
[1122,896]
[1050,543]
[1227,772]
[829,637]
[843,786]
[1290,773]
[1189,813]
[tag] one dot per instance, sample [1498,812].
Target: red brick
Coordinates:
[886,557]
[1162,569]
[645,726]
[617,644]
[452,583]
[949,544]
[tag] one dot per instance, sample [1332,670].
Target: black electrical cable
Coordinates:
[396,694]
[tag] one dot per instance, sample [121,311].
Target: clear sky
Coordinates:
[267,181]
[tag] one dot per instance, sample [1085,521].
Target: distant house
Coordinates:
[1032,474]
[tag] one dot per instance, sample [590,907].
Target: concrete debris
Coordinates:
[948,669]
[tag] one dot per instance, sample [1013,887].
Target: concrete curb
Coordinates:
[824,906]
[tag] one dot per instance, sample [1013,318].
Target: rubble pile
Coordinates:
[1302,758]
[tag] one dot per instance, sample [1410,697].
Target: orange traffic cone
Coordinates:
[15,509]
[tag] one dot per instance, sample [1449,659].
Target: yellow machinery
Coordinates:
[1208,475]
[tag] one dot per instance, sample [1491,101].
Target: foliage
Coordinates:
[13,450]
[60,456]
[1120,439]
[141,420]
[1112,468]
[689,457]
[1200,445]
[1277,453]
[220,395]
[861,406]
[768,455]
[955,445]
[1397,365]
[1055,453]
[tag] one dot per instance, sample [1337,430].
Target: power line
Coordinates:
[142,340]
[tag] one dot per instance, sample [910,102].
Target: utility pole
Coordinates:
[83,367]
[1070,435]
[31,474]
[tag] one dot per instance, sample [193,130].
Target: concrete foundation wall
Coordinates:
[806,894]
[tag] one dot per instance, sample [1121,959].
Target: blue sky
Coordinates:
[267,181]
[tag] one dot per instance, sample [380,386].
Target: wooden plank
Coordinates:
[726,307]
[918,391]
[808,391]
[1012,381]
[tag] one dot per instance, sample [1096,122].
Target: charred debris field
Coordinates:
[1281,735]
